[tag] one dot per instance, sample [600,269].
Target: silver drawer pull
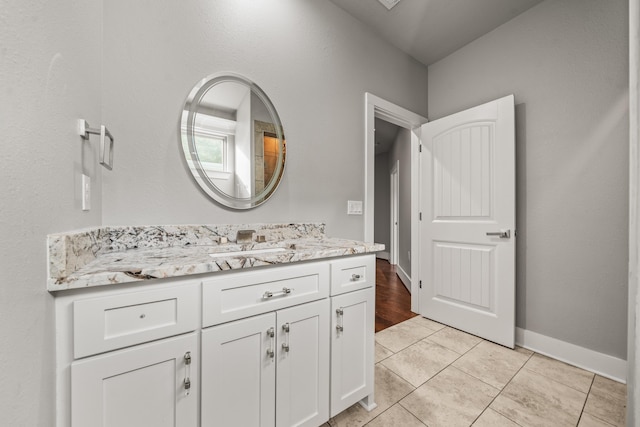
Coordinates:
[503,234]
[283,292]
[355,277]
[340,320]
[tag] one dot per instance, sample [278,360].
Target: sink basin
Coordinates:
[247,252]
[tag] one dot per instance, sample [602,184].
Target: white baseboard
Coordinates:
[383,255]
[404,277]
[599,363]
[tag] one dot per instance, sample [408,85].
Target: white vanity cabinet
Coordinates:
[135,356]
[271,369]
[287,345]
[151,384]
[352,332]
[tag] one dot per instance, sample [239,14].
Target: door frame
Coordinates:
[376,107]
[395,210]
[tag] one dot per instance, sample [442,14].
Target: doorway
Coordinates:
[392,224]
[409,122]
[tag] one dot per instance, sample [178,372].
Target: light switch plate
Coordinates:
[354,207]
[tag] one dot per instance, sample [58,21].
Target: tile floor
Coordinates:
[428,374]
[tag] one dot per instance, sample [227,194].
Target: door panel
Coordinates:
[467,191]
[238,373]
[138,387]
[302,392]
[352,331]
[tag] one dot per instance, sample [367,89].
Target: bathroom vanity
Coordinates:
[182,326]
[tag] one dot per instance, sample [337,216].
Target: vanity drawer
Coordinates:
[111,322]
[239,294]
[352,273]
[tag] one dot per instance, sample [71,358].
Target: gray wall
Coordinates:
[382,202]
[566,62]
[49,77]
[313,60]
[401,151]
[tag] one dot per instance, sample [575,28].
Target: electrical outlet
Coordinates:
[86,192]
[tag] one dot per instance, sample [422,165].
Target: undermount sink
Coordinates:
[247,252]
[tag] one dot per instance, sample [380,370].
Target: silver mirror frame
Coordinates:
[187,140]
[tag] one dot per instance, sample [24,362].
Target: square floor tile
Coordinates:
[389,389]
[531,399]
[381,352]
[491,363]
[451,398]
[456,340]
[559,371]
[587,420]
[607,401]
[420,361]
[427,323]
[491,418]
[402,335]
[396,416]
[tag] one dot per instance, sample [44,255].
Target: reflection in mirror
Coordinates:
[233,141]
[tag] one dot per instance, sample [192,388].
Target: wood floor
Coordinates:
[393,300]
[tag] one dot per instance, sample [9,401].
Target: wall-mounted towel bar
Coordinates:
[106,149]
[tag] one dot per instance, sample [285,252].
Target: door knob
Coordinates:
[503,234]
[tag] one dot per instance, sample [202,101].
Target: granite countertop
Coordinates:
[111,255]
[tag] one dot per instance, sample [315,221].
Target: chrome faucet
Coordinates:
[245,236]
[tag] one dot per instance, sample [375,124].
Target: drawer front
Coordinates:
[352,273]
[237,295]
[107,323]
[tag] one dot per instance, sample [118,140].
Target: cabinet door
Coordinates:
[352,335]
[302,384]
[238,373]
[141,386]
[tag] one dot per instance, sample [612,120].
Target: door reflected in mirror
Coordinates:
[233,141]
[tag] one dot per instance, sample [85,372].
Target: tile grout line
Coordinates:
[584,405]
[500,392]
[437,373]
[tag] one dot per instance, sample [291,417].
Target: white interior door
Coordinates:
[467,231]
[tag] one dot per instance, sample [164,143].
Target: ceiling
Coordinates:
[429,30]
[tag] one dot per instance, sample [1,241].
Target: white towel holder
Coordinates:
[106,149]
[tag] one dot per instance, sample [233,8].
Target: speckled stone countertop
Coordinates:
[111,255]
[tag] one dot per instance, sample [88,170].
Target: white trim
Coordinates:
[395,210]
[599,363]
[404,277]
[633,325]
[383,255]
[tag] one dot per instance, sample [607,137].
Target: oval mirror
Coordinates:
[233,141]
